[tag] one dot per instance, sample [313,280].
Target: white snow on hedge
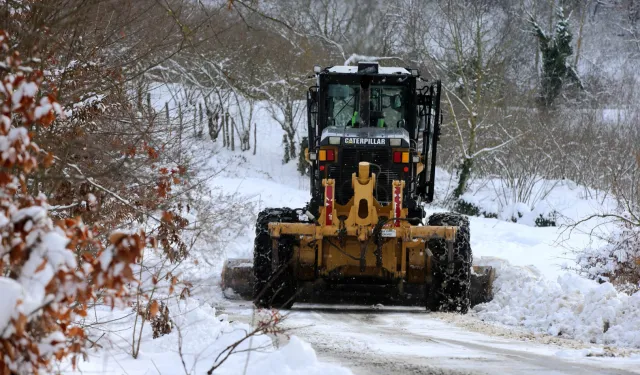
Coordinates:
[564,201]
[48,254]
[570,306]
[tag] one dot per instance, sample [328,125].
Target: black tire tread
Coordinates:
[279,292]
[450,292]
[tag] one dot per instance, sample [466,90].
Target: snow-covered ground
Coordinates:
[543,319]
[199,336]
[401,340]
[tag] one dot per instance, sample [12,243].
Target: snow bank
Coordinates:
[297,357]
[201,335]
[570,306]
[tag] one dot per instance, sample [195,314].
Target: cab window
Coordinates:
[387,105]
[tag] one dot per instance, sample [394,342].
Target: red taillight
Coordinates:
[331,155]
[322,167]
[397,157]
[405,169]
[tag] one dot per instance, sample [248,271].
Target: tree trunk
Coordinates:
[292,144]
[195,121]
[233,134]
[290,129]
[166,113]
[255,138]
[179,133]
[200,121]
[285,146]
[467,164]
[225,137]
[465,175]
[579,41]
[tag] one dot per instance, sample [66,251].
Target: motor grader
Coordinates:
[373,133]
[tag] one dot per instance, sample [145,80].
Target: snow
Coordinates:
[205,335]
[296,357]
[15,134]
[25,89]
[569,306]
[11,294]
[52,248]
[381,70]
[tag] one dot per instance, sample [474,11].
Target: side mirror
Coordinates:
[313,96]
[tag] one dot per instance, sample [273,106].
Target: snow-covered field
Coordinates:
[541,310]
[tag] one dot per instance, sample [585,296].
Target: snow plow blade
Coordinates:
[237,279]
[237,283]
[481,290]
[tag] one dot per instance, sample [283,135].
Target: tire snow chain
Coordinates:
[450,265]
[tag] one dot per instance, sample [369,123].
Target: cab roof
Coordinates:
[386,70]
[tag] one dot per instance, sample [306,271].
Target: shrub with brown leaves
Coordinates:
[43,285]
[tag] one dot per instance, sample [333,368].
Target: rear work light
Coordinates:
[400,157]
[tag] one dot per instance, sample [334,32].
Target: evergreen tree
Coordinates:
[303,165]
[556,52]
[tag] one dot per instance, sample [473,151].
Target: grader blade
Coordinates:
[238,280]
[481,290]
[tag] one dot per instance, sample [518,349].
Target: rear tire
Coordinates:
[449,291]
[275,284]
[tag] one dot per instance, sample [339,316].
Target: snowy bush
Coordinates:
[617,262]
[485,201]
[470,209]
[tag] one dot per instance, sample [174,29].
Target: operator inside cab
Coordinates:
[386,109]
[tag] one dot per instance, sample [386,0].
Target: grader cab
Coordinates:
[373,134]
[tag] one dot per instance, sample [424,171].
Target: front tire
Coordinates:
[449,290]
[275,285]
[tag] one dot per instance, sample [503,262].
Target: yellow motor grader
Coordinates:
[373,134]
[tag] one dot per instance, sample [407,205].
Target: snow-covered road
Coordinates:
[398,340]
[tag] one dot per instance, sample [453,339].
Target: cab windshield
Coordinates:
[386,103]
